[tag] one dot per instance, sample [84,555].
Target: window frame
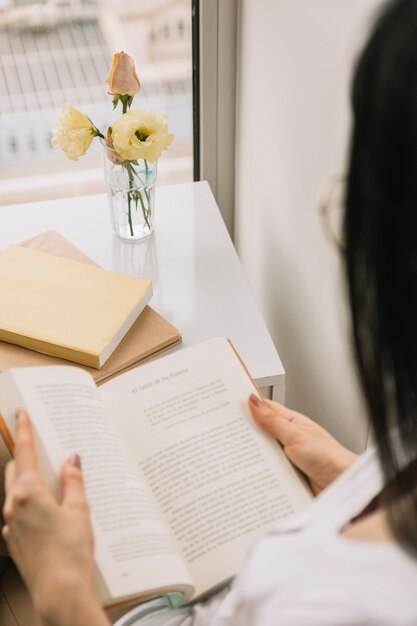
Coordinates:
[214,95]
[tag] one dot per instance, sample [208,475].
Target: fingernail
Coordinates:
[75,460]
[20,414]
[255,400]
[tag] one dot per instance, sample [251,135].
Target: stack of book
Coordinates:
[57,305]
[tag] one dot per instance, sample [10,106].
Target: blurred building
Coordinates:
[60,51]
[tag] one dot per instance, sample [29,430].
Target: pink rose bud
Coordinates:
[122,79]
[109,148]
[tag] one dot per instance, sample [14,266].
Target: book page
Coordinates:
[219,481]
[134,550]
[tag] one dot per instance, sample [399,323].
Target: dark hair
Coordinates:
[380,239]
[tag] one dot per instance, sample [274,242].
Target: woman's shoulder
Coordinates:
[325,578]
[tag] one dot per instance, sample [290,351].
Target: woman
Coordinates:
[352,557]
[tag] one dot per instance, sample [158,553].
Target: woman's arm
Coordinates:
[50,541]
[307,445]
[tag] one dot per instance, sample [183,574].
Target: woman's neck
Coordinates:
[372,527]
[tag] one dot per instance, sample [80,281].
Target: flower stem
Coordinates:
[129,200]
[144,211]
[146,190]
[95,131]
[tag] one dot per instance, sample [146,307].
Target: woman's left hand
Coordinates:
[307,445]
[50,541]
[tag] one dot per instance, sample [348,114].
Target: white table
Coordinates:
[197,278]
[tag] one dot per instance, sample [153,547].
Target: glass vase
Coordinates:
[131,195]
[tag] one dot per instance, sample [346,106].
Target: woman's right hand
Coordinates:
[307,445]
[50,540]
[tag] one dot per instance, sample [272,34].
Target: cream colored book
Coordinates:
[179,477]
[65,308]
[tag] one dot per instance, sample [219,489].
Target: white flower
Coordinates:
[73,132]
[141,135]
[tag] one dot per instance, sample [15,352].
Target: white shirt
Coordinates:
[306,573]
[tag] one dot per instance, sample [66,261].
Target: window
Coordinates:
[181,29]
[56,51]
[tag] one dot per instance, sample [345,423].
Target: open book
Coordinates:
[179,478]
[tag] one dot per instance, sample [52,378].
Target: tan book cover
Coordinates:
[64,308]
[150,335]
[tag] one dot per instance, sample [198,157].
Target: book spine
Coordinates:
[51,349]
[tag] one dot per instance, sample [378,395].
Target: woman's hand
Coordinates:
[307,445]
[51,542]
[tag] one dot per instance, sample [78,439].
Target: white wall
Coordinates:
[295,60]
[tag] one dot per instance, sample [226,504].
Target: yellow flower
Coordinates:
[122,78]
[73,132]
[141,135]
